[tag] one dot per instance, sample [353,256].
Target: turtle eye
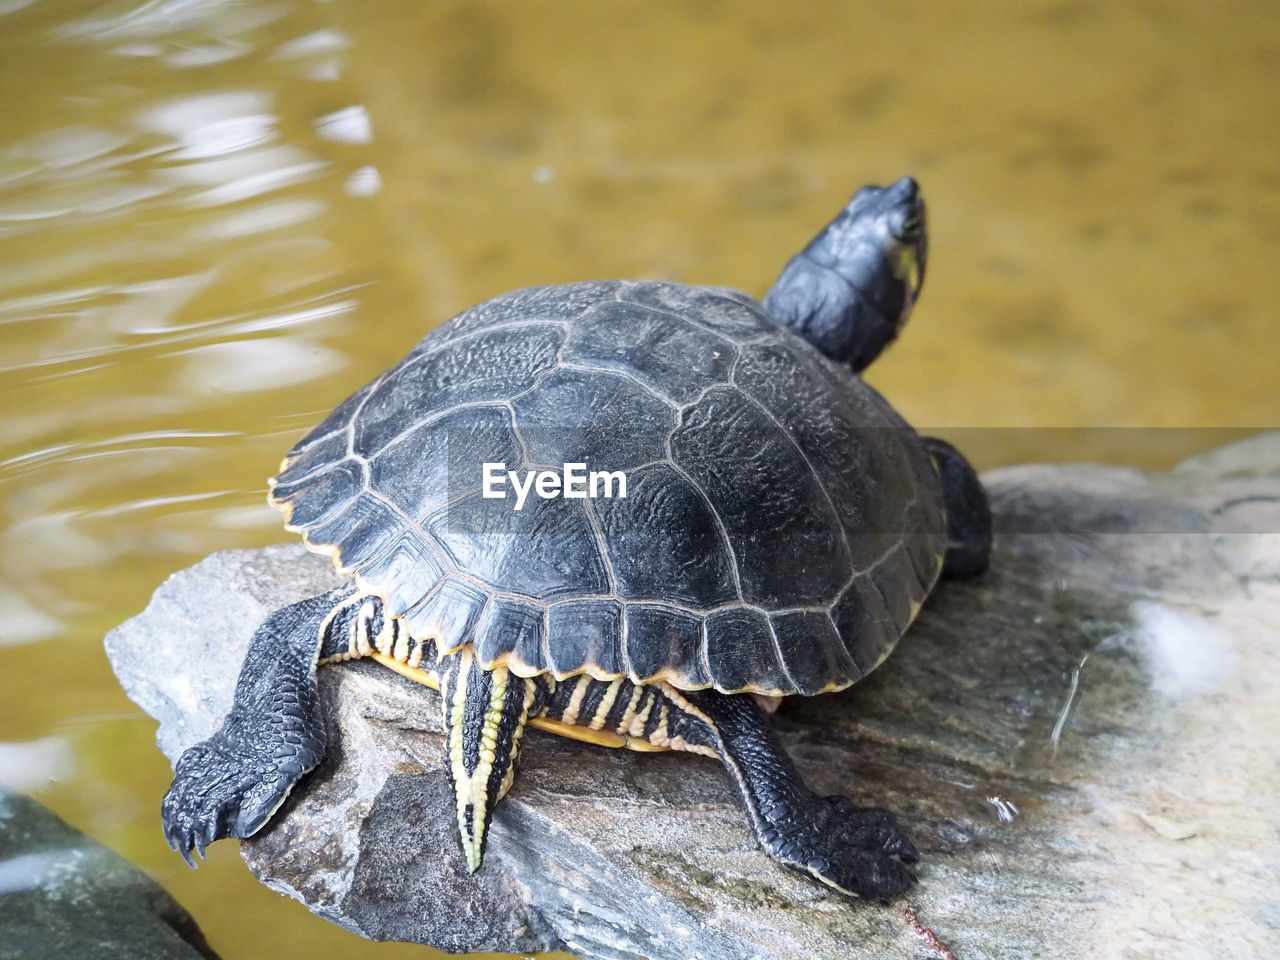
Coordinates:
[911,228]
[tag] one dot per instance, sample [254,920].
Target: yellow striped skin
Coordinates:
[486,711]
[464,787]
[550,722]
[565,701]
[580,685]
[642,717]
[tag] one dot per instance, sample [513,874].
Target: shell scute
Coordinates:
[865,624]
[366,528]
[727,312]
[448,614]
[742,653]
[437,460]
[628,424]
[305,462]
[674,359]
[664,542]
[337,422]
[405,572]
[511,631]
[811,648]
[785,533]
[488,366]
[586,633]
[895,579]
[665,642]
[555,303]
[546,551]
[321,497]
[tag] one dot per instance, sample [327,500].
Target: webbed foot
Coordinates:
[857,850]
[224,788]
[860,851]
[231,784]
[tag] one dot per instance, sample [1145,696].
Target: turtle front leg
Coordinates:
[857,850]
[969,526]
[232,783]
[485,712]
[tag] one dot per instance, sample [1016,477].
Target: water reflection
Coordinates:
[364,182]
[221,285]
[348,125]
[164,250]
[173,240]
[174,28]
[36,763]
[242,365]
[24,622]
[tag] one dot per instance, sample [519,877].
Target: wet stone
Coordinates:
[1082,744]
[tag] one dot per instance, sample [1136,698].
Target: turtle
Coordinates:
[775,528]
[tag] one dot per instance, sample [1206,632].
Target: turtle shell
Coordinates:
[781,524]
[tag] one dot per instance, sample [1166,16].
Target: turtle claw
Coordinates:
[859,851]
[184,852]
[221,789]
[202,840]
[873,827]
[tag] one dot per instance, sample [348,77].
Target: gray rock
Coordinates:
[1083,744]
[66,897]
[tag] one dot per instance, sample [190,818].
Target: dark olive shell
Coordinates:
[782,523]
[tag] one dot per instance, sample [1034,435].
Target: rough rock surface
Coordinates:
[1083,744]
[66,897]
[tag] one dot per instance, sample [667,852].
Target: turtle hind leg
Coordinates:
[969,527]
[485,712]
[857,850]
[230,784]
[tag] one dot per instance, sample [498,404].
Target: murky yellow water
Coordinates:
[218,218]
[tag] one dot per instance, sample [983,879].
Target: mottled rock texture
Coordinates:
[1083,744]
[65,897]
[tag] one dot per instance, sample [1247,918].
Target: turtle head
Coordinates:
[850,291]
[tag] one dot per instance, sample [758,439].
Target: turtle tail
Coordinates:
[485,712]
